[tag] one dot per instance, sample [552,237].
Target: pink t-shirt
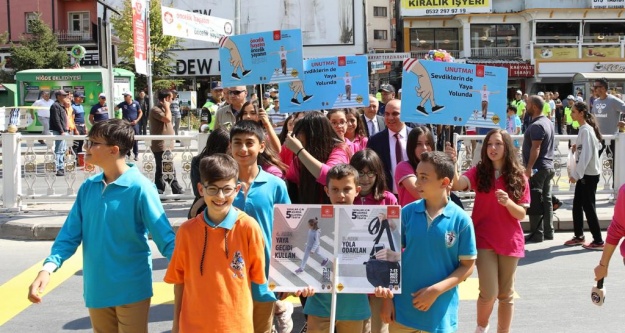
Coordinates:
[402,171]
[338,155]
[616,230]
[495,227]
[359,143]
[388,199]
[274,170]
[286,155]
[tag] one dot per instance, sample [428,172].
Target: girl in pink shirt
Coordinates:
[616,231]
[501,197]
[316,148]
[371,179]
[420,140]
[372,192]
[355,130]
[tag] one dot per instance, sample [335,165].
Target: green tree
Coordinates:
[38,49]
[163,63]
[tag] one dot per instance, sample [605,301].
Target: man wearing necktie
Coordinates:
[390,143]
[373,122]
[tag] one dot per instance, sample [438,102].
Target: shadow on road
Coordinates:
[538,255]
[158,313]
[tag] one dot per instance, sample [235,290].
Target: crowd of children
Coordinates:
[219,266]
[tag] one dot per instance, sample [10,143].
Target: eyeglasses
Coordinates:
[235,92]
[214,190]
[393,114]
[369,174]
[89,143]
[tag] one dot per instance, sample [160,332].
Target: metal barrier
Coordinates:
[612,178]
[29,172]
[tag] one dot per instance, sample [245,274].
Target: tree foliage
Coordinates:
[163,63]
[38,49]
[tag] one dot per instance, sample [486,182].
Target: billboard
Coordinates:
[139,12]
[184,24]
[444,7]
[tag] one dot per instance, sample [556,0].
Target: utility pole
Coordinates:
[108,50]
[149,53]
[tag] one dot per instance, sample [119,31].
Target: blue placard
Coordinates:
[330,83]
[264,57]
[453,94]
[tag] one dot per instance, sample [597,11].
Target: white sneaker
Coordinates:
[480,329]
[284,321]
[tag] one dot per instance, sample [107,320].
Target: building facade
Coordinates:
[543,43]
[72,21]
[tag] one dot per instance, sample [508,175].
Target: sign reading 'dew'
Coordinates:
[264,57]
[453,94]
[330,83]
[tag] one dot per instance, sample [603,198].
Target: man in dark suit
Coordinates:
[390,143]
[373,122]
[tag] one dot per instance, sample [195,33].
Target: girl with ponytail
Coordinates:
[585,175]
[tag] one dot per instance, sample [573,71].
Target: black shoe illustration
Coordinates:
[422,110]
[244,73]
[306,98]
[235,76]
[296,102]
[437,108]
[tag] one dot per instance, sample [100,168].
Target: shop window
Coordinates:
[557,32]
[603,32]
[380,34]
[427,39]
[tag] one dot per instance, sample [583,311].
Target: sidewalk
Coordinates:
[43,221]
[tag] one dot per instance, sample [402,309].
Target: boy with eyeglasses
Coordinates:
[218,254]
[112,215]
[261,191]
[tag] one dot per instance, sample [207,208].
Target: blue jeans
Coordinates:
[60,146]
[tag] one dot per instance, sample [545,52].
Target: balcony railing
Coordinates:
[421,54]
[496,52]
[70,36]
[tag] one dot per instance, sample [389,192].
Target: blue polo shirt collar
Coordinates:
[227,223]
[126,179]
[447,211]
[262,176]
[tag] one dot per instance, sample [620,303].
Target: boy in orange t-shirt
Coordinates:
[218,254]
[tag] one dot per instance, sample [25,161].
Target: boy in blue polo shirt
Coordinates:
[259,192]
[111,217]
[351,309]
[439,240]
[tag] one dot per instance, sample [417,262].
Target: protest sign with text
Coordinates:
[264,57]
[447,93]
[329,83]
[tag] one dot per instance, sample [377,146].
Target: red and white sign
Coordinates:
[139,14]
[515,69]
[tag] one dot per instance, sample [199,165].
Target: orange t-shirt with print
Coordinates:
[219,299]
